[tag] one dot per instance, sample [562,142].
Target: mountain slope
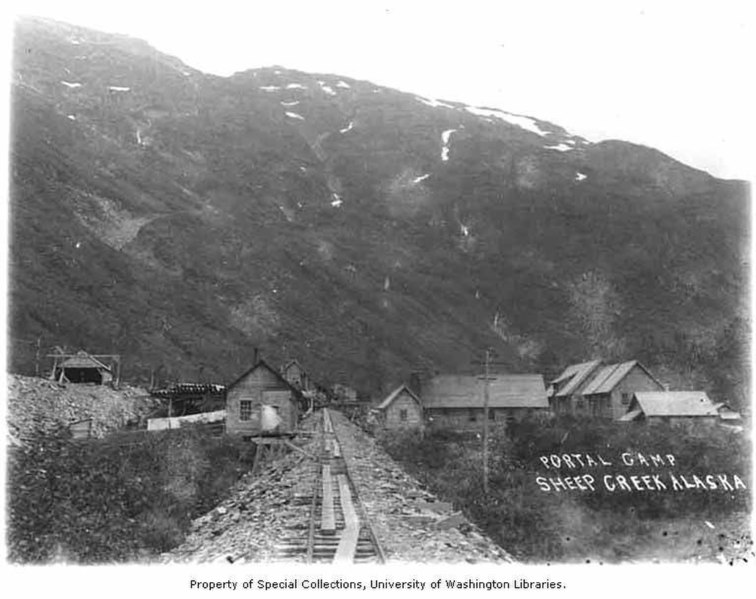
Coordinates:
[182,219]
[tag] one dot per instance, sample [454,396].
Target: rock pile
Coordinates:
[40,405]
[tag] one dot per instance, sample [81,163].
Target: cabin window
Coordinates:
[580,404]
[625,399]
[245,409]
[402,414]
[472,416]
[491,415]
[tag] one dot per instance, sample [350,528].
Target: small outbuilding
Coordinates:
[401,410]
[678,408]
[262,403]
[82,368]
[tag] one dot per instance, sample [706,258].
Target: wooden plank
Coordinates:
[327,424]
[348,542]
[327,515]
[299,449]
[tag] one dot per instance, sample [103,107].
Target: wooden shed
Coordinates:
[82,368]
[677,408]
[400,410]
[262,403]
[457,402]
[610,390]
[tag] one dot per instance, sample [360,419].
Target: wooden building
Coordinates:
[262,403]
[609,392]
[296,376]
[82,368]
[566,390]
[343,393]
[456,402]
[677,408]
[401,410]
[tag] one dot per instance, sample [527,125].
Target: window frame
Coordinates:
[245,410]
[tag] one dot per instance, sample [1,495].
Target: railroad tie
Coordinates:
[348,542]
[327,515]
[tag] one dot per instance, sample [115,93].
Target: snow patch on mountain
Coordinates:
[295,86]
[343,84]
[270,88]
[294,115]
[445,136]
[523,122]
[326,88]
[71,85]
[118,88]
[293,103]
[348,128]
[71,117]
[562,147]
[580,177]
[337,201]
[420,178]
[433,102]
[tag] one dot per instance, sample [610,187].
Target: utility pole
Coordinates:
[486,385]
[36,356]
[486,363]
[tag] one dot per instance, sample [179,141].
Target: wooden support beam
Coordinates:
[327,514]
[348,542]
[299,449]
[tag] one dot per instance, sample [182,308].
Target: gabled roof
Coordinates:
[610,376]
[83,360]
[290,363]
[263,364]
[675,403]
[394,394]
[573,376]
[505,391]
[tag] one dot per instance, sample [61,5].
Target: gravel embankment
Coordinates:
[40,405]
[409,521]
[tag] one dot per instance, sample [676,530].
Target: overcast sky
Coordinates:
[672,75]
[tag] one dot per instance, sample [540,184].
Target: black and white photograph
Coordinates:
[390,296]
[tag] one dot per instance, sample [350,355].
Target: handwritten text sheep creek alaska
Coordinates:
[651,472]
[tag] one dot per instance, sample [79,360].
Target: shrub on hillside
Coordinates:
[115,499]
[539,526]
[714,451]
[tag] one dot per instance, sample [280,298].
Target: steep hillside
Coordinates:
[183,219]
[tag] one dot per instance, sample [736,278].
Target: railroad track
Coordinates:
[338,529]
